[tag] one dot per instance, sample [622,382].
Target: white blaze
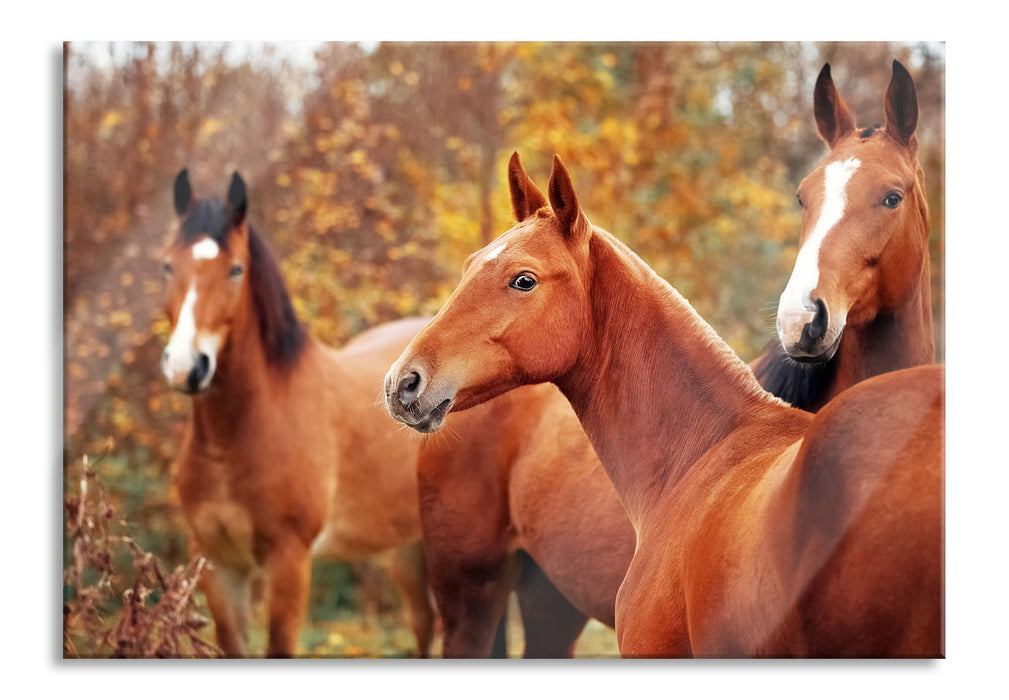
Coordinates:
[494,252]
[806,273]
[206,249]
[178,357]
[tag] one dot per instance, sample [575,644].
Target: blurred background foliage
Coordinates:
[375,169]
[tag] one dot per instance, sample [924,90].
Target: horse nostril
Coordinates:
[202,364]
[408,387]
[814,331]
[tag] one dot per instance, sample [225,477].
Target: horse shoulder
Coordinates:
[730,503]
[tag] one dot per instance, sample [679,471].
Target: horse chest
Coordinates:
[236,504]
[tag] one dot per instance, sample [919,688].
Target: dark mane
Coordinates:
[800,385]
[281,333]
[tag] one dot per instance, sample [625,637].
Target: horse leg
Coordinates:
[552,624]
[289,572]
[229,596]
[472,597]
[409,573]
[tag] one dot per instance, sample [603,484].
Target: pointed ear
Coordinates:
[526,198]
[183,193]
[833,118]
[901,106]
[237,200]
[563,200]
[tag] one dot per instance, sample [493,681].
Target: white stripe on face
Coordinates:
[178,357]
[806,274]
[494,252]
[206,249]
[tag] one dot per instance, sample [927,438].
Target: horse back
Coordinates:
[373,501]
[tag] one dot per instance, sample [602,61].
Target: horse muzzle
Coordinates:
[410,400]
[188,373]
[809,334]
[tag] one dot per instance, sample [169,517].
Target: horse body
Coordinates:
[530,481]
[287,454]
[761,530]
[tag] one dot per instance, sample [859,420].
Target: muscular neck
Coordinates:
[657,387]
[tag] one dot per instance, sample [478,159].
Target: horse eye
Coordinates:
[167,267]
[523,283]
[798,198]
[236,271]
[892,200]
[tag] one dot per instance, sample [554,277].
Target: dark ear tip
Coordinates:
[183,193]
[900,69]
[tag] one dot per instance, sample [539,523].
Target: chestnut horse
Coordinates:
[859,301]
[520,487]
[761,529]
[286,456]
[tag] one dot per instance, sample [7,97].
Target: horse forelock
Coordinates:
[869,132]
[206,218]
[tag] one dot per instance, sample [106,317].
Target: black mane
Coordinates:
[282,334]
[801,385]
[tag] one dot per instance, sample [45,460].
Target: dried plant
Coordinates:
[158,618]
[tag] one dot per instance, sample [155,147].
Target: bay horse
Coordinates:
[859,300]
[761,529]
[287,456]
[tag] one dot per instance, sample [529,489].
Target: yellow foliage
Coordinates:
[209,127]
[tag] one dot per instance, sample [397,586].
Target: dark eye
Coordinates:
[892,200]
[523,283]
[236,271]
[167,267]
[798,198]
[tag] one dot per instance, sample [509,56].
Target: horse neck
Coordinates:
[242,380]
[655,387]
[897,339]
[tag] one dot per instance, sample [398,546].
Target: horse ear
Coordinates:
[237,200]
[526,197]
[901,105]
[833,118]
[183,192]
[563,200]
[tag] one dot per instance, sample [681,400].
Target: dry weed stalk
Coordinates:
[158,619]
